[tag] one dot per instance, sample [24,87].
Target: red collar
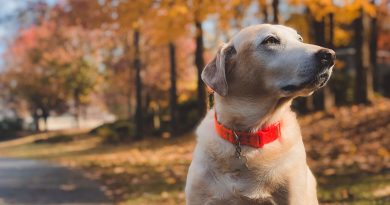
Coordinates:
[254,139]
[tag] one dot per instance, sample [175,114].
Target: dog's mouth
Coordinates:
[318,81]
[322,79]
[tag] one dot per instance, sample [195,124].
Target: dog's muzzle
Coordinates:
[324,61]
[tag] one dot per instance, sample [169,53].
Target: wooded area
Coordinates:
[138,64]
[141,60]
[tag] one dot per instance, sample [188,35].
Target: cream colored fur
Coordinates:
[251,99]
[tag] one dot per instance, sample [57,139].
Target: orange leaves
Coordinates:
[320,9]
[300,23]
[263,4]
[132,13]
[341,36]
[51,64]
[351,137]
[351,140]
[345,12]
[343,146]
[167,22]
[178,10]
[365,5]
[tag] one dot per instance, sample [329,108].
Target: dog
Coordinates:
[249,147]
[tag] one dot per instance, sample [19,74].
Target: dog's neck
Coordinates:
[250,114]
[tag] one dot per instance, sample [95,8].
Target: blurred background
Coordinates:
[112,87]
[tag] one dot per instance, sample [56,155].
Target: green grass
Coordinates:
[355,189]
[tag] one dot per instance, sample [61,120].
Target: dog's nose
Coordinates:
[326,57]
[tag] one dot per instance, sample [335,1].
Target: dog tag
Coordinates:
[238,164]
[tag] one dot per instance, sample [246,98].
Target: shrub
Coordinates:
[116,132]
[9,127]
[188,115]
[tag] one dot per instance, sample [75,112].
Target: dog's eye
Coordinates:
[300,38]
[271,40]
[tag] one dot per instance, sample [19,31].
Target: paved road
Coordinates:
[30,182]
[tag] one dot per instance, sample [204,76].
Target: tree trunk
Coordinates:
[36,120]
[45,122]
[138,87]
[129,74]
[173,94]
[128,102]
[76,98]
[362,78]
[309,104]
[328,95]
[373,51]
[275,9]
[319,39]
[264,10]
[45,116]
[360,88]
[319,32]
[367,58]
[199,62]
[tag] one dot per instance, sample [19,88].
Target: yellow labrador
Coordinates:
[255,77]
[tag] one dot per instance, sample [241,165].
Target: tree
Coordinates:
[229,12]
[80,80]
[264,10]
[30,74]
[117,93]
[60,62]
[275,9]
[121,18]
[199,7]
[358,13]
[325,16]
[319,39]
[373,49]
[329,98]
[363,78]
[320,15]
[167,28]
[199,62]
[173,92]
[138,86]
[130,17]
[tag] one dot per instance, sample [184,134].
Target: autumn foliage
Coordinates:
[141,60]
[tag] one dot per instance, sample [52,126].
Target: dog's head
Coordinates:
[269,59]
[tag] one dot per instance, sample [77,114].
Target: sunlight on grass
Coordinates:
[146,172]
[355,189]
[153,171]
[34,146]
[40,136]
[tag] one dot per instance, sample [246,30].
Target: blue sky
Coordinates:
[7,10]
[8,23]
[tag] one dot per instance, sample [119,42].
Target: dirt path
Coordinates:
[38,183]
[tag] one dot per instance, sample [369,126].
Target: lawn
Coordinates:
[348,150]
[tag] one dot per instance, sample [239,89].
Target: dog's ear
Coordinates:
[214,74]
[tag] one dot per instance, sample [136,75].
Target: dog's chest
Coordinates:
[249,188]
[252,184]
